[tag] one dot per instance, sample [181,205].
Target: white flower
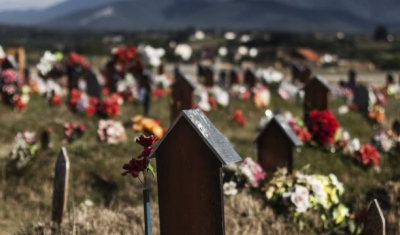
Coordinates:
[355,145]
[242,50]
[199,35]
[223,51]
[184,51]
[230,188]
[221,96]
[339,186]
[25,98]
[301,199]
[346,135]
[253,52]
[343,109]
[2,53]
[270,75]
[230,35]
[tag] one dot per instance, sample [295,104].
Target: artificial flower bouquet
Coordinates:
[150,125]
[82,103]
[72,132]
[301,195]
[11,91]
[111,132]
[23,150]
[248,174]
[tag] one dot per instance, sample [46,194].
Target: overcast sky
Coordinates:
[26,4]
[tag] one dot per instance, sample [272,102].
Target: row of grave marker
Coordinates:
[189,177]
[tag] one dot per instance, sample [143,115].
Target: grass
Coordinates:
[96,168]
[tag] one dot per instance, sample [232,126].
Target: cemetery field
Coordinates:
[113,203]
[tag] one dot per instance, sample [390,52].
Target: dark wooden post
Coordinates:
[306,74]
[189,174]
[234,77]
[316,96]
[93,88]
[297,72]
[374,222]
[45,139]
[352,74]
[275,145]
[249,78]
[389,79]
[181,94]
[396,127]
[161,69]
[60,188]
[208,76]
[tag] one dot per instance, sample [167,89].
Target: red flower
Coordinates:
[368,155]
[323,126]
[17,102]
[212,102]
[56,100]
[239,117]
[146,152]
[146,141]
[90,110]
[134,167]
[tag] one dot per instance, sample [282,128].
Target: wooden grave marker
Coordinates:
[396,127]
[317,94]
[233,77]
[60,188]
[374,222]
[361,99]
[352,75]
[208,76]
[389,79]
[306,74]
[250,78]
[189,174]
[297,72]
[93,88]
[181,94]
[45,139]
[161,69]
[275,145]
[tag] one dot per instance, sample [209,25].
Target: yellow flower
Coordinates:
[340,213]
[26,89]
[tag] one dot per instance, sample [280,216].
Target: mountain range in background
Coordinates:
[283,15]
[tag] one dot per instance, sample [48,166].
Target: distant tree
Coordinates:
[381,33]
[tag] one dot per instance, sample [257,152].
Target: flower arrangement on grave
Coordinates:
[126,60]
[386,141]
[23,150]
[300,194]
[150,125]
[211,98]
[20,101]
[271,77]
[82,103]
[300,129]
[367,155]
[50,64]
[111,132]
[77,61]
[72,131]
[246,175]
[377,114]
[56,100]
[110,106]
[262,96]
[238,117]
[322,126]
[11,92]
[141,166]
